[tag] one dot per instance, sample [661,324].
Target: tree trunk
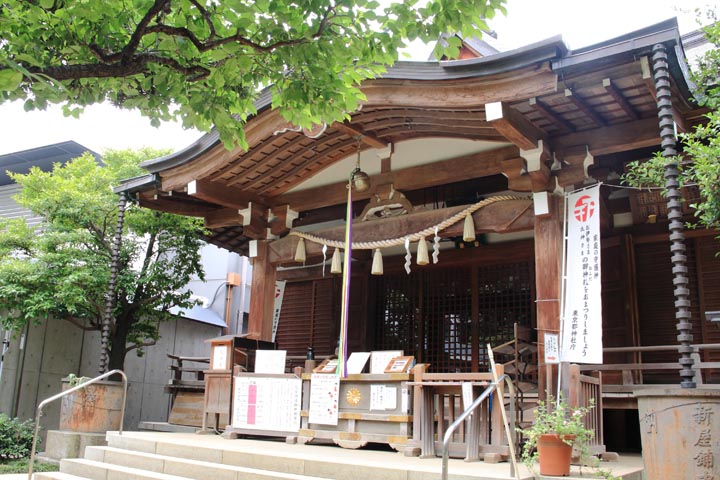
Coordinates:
[118,341]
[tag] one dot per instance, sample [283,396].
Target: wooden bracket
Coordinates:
[512,125]
[254,221]
[281,219]
[515,170]
[575,164]
[537,166]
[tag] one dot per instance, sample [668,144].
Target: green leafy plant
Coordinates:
[15,438]
[73,380]
[206,62]
[698,162]
[559,418]
[62,269]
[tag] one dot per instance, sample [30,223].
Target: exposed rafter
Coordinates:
[539,106]
[580,103]
[620,99]
[357,131]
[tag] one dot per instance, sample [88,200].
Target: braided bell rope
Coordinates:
[414,237]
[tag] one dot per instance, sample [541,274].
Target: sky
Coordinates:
[580,22]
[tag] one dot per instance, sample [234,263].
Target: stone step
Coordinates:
[194,469]
[93,470]
[55,476]
[324,461]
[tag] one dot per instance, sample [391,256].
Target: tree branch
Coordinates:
[129,50]
[146,343]
[79,325]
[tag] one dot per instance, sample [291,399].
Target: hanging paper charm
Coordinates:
[436,246]
[408,257]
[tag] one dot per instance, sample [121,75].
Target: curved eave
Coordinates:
[630,46]
[495,65]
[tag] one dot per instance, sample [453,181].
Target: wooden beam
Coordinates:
[547,112]
[512,125]
[262,294]
[548,248]
[461,93]
[357,131]
[581,105]
[447,171]
[224,217]
[613,139]
[500,217]
[220,194]
[171,205]
[620,99]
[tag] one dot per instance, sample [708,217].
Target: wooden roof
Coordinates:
[599,99]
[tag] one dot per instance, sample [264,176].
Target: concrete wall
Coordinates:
[53,349]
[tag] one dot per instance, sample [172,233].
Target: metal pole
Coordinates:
[110,295]
[674,209]
[68,392]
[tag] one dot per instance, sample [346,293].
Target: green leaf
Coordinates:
[10,79]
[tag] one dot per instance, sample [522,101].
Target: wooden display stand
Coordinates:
[226,353]
[265,405]
[358,423]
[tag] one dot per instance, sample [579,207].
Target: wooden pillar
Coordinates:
[548,266]
[262,294]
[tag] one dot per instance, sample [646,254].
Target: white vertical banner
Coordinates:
[582,312]
[279,293]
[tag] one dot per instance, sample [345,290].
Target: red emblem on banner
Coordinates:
[584,208]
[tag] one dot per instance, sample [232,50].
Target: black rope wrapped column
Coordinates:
[674,208]
[112,284]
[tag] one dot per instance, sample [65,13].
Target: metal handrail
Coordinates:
[486,393]
[67,392]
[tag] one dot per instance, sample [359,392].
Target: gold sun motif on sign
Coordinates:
[353,396]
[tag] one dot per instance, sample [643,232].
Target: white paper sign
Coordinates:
[356,362]
[270,361]
[324,395]
[582,314]
[277,305]
[405,400]
[220,357]
[467,395]
[552,348]
[380,359]
[267,403]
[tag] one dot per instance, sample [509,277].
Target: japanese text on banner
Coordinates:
[582,312]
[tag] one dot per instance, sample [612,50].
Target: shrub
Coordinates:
[15,438]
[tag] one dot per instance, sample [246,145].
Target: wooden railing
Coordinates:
[437,403]
[585,392]
[631,372]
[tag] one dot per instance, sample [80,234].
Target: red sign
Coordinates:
[584,208]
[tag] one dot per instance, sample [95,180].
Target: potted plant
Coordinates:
[556,432]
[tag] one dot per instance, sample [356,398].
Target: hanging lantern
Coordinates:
[422,253]
[336,264]
[469,230]
[377,264]
[360,180]
[300,251]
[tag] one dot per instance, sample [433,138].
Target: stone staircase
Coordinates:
[183,456]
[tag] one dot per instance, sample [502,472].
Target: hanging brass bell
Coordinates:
[360,180]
